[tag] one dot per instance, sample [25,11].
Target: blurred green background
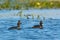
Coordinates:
[29,4]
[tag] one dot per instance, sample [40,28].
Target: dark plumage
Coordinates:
[38,26]
[16,27]
[13,27]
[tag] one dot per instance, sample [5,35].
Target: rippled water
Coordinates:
[51,30]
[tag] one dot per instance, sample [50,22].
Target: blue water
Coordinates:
[50,31]
[47,13]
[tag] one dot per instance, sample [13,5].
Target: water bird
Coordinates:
[27,16]
[38,26]
[16,27]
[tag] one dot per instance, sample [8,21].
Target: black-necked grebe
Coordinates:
[16,27]
[38,26]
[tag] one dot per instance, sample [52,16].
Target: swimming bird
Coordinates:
[38,26]
[16,27]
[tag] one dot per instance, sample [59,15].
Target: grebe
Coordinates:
[16,27]
[38,26]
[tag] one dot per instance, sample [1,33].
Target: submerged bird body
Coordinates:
[13,27]
[16,27]
[38,26]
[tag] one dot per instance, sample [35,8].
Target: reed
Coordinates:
[20,14]
[38,16]
[32,16]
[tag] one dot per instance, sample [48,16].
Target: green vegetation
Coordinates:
[51,4]
[36,4]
